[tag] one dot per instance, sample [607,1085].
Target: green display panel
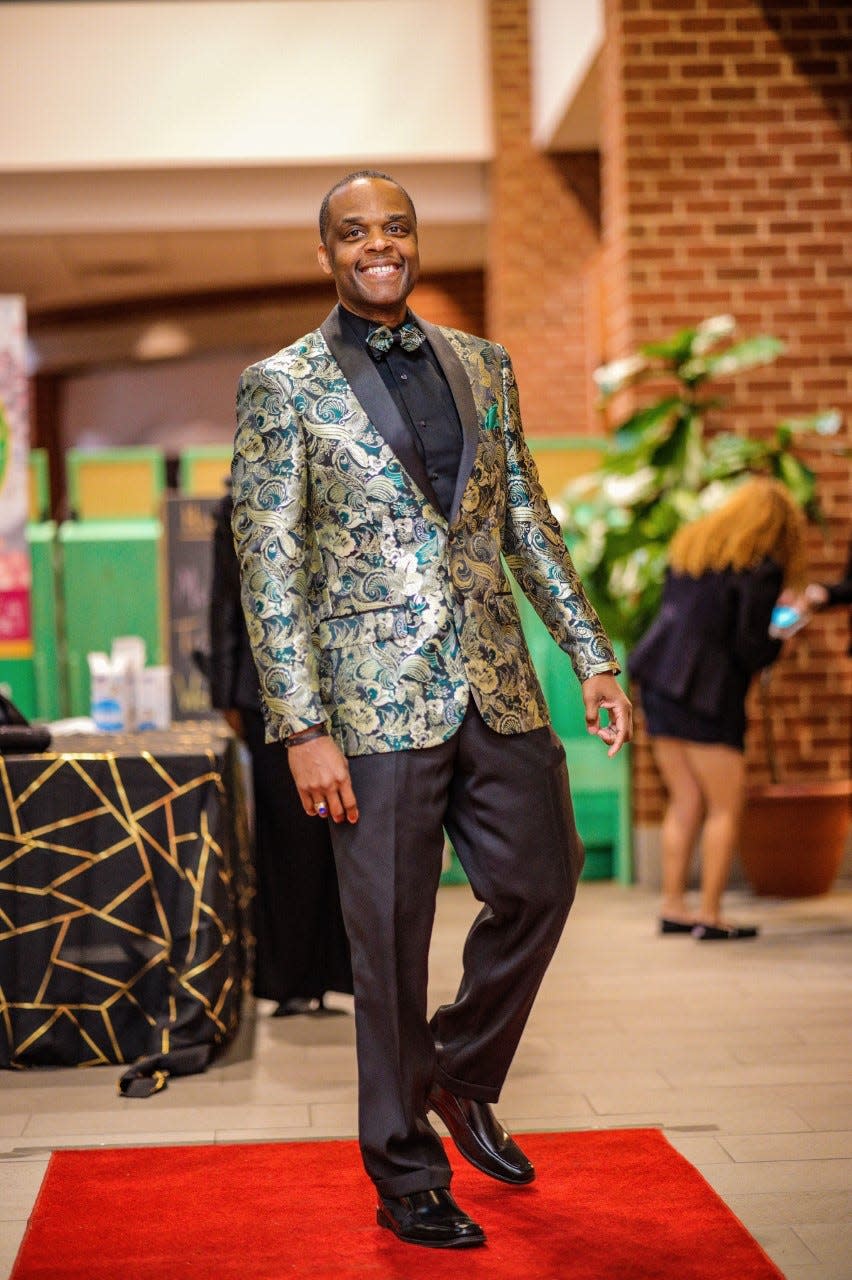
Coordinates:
[49,686]
[600,786]
[17,682]
[110,587]
[39,477]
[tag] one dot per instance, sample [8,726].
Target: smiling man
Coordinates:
[381,480]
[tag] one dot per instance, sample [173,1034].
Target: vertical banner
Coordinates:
[15,573]
[189,557]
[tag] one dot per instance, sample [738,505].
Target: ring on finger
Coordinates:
[322,809]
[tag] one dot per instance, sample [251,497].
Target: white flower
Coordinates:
[611,377]
[581,486]
[624,577]
[624,491]
[713,495]
[559,511]
[711,331]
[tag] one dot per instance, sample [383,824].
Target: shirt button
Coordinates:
[422,422]
[403,377]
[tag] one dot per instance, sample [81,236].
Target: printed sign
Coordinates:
[189,550]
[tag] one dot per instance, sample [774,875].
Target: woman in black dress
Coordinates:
[695,664]
[302,950]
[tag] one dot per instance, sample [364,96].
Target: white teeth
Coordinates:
[379,270]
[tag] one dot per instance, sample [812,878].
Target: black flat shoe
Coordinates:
[480,1137]
[723,932]
[297,1005]
[668,925]
[430,1218]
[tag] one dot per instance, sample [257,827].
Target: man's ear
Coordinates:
[322,259]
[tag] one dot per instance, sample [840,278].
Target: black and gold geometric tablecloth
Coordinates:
[125,884]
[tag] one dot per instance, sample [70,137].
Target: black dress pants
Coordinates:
[505,803]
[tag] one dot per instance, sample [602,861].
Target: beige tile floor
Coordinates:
[739,1052]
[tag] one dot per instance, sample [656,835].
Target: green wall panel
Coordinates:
[110,587]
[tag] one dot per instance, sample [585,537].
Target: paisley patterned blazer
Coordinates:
[367,608]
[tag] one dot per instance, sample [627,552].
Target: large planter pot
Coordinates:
[793,837]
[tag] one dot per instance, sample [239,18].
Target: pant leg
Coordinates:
[389,866]
[511,821]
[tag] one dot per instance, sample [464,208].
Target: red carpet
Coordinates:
[611,1205]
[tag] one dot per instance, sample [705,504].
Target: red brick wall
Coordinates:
[542,283]
[456,299]
[726,185]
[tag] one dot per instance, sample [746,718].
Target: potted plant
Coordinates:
[810,819]
[660,470]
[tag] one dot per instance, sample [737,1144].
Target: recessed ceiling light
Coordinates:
[162,340]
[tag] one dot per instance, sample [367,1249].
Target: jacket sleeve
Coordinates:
[759,589]
[269,475]
[535,551]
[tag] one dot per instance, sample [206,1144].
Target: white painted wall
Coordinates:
[565,37]
[92,86]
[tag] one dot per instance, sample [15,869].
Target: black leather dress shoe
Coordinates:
[480,1137]
[431,1218]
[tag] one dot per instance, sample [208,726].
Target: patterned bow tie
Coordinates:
[408,336]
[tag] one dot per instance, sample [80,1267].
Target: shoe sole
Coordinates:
[492,1173]
[468,1242]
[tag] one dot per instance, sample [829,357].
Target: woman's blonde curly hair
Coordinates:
[761,519]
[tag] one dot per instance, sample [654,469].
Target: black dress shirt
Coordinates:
[416,382]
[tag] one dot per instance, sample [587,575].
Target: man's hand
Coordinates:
[321,774]
[604,692]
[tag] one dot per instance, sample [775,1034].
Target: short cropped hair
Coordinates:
[344,182]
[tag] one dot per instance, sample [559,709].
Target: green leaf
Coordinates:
[673,349]
[798,478]
[671,451]
[659,471]
[646,425]
[748,354]
[825,423]
[729,455]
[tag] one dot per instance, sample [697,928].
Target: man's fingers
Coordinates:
[622,725]
[337,803]
[350,804]
[618,730]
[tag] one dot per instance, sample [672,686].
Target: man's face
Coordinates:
[371,249]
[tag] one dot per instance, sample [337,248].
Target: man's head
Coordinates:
[368,229]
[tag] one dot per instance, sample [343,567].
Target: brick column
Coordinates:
[727,188]
[542,282]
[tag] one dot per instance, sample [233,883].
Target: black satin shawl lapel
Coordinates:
[459,383]
[372,395]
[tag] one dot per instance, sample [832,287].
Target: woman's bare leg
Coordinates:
[681,823]
[720,772]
